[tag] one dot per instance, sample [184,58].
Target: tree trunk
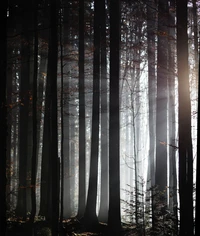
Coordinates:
[3,119]
[21,209]
[45,171]
[114,215]
[66,115]
[90,216]
[151,27]
[34,120]
[103,211]
[161,101]
[82,141]
[184,118]
[173,204]
[52,73]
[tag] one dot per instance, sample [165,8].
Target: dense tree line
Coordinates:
[99,116]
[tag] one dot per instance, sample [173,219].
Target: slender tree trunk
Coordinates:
[104,120]
[9,159]
[114,215]
[52,73]
[66,115]
[21,209]
[184,118]
[90,216]
[151,27]
[34,121]
[173,204]
[62,124]
[161,101]
[45,171]
[3,119]
[82,141]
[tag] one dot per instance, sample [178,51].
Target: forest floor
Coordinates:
[70,227]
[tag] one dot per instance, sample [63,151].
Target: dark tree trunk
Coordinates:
[82,141]
[9,159]
[3,119]
[34,119]
[45,171]
[171,116]
[161,100]
[66,115]
[90,216]
[184,118]
[62,124]
[103,211]
[52,73]
[114,215]
[21,209]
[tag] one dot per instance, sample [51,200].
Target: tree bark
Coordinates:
[21,209]
[114,215]
[82,141]
[184,126]
[90,216]
[161,100]
[52,73]
[151,28]
[3,119]
[103,215]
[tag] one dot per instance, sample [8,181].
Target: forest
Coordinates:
[99,128]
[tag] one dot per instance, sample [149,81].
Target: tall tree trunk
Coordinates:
[114,215]
[3,119]
[21,209]
[34,117]
[151,28]
[90,216]
[82,141]
[45,171]
[161,100]
[171,118]
[62,124]
[52,73]
[104,120]
[184,118]
[66,115]
[9,159]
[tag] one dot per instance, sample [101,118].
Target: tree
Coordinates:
[34,115]
[173,204]
[52,73]
[90,216]
[24,154]
[3,120]
[114,216]
[161,100]
[82,142]
[104,120]
[184,126]
[152,97]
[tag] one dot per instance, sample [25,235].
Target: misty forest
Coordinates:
[99,118]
